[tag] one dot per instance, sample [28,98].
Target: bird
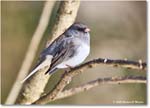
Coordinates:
[70,49]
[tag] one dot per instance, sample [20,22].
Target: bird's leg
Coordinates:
[66,71]
[69,67]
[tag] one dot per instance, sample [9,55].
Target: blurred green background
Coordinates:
[118,31]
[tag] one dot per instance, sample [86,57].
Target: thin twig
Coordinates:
[67,76]
[37,36]
[99,81]
[33,88]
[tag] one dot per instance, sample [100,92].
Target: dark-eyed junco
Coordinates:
[68,50]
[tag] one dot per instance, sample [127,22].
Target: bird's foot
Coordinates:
[69,66]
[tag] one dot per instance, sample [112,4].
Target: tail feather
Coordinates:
[50,71]
[43,64]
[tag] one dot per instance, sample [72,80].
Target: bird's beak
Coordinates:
[87,30]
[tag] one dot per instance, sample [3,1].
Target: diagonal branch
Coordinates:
[37,36]
[99,81]
[67,76]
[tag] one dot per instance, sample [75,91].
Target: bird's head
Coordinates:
[80,27]
[78,30]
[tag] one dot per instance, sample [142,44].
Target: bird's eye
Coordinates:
[85,30]
[81,29]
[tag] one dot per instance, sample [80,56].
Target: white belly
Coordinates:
[83,52]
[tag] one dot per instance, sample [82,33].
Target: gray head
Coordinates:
[80,27]
[80,31]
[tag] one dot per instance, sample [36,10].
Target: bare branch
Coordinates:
[99,81]
[67,76]
[37,36]
[31,90]
[66,16]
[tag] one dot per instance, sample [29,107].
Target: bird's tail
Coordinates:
[51,71]
[41,65]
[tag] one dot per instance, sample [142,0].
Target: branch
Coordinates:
[99,81]
[66,16]
[68,75]
[37,36]
[31,90]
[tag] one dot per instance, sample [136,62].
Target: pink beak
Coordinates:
[87,30]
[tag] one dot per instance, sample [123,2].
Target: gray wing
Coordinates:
[53,48]
[67,51]
[61,50]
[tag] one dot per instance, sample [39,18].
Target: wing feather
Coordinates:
[67,50]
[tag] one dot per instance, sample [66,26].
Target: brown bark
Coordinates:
[34,87]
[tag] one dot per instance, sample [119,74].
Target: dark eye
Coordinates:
[81,29]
